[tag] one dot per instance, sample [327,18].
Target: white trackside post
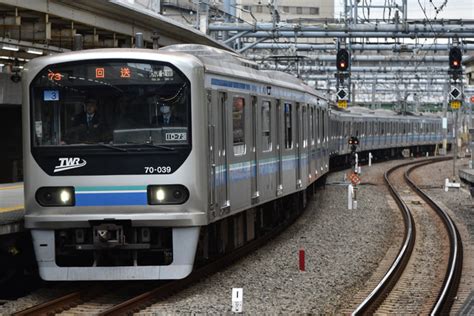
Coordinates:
[370,159]
[237,300]
[354,199]
[356,169]
[350,194]
[453,184]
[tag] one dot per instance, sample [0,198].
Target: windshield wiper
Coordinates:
[159,146]
[113,147]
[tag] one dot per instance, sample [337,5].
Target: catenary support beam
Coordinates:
[362,47]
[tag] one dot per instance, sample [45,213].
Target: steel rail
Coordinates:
[378,294]
[146,299]
[448,292]
[55,306]
[64,302]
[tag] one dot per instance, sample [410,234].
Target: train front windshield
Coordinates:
[116,103]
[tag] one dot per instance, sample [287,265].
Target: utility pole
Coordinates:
[445,120]
[455,70]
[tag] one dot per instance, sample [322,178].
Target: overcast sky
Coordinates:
[454,9]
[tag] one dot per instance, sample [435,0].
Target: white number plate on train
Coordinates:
[163,169]
[175,136]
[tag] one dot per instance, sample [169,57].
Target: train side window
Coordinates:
[288,125]
[266,117]
[318,125]
[304,126]
[323,134]
[326,124]
[238,125]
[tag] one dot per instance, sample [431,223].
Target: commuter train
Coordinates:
[140,163]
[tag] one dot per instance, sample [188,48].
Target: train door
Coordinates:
[211,136]
[299,143]
[240,150]
[306,158]
[279,146]
[317,128]
[325,138]
[220,163]
[290,168]
[268,180]
[255,151]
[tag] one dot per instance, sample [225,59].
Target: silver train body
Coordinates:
[251,137]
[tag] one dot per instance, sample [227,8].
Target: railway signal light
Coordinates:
[342,59]
[455,58]
[354,141]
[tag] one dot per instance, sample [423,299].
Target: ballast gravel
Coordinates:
[39,296]
[460,206]
[342,247]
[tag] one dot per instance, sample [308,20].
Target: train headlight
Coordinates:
[160,195]
[65,196]
[55,196]
[167,194]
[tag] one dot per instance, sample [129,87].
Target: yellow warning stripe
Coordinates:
[12,208]
[13,187]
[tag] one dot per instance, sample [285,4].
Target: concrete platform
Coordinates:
[11,208]
[467,175]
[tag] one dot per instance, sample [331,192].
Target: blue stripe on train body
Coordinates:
[245,170]
[111,195]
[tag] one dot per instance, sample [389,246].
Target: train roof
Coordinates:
[222,62]
[363,112]
[209,54]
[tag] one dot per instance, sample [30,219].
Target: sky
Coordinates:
[454,9]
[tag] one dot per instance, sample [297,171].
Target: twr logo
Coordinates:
[69,163]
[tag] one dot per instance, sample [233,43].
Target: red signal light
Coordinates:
[455,58]
[342,59]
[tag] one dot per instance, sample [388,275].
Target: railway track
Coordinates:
[102,301]
[441,294]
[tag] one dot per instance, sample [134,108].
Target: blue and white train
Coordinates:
[140,163]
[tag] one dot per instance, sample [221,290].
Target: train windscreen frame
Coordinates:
[110,107]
